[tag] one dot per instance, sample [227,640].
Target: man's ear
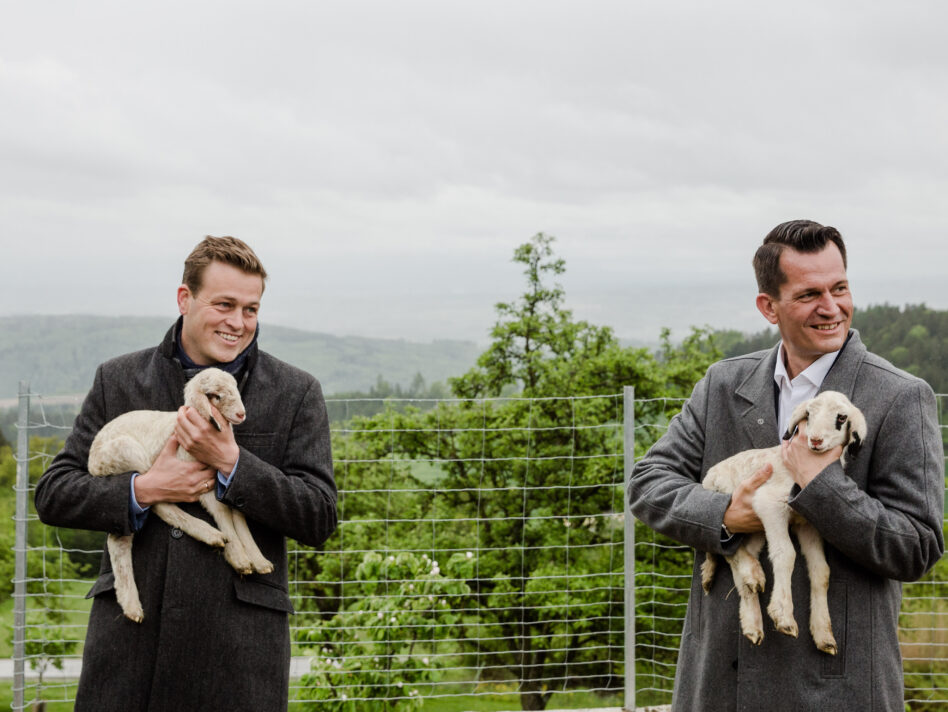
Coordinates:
[765,305]
[184,299]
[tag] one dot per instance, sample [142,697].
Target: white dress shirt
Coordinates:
[805,386]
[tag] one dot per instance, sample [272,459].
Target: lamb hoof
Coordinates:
[262,566]
[788,629]
[131,606]
[827,646]
[755,636]
[238,559]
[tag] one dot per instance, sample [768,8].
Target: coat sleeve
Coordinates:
[67,495]
[894,527]
[298,498]
[665,490]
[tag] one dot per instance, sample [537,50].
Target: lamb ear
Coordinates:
[202,405]
[801,412]
[210,411]
[214,422]
[856,429]
[855,443]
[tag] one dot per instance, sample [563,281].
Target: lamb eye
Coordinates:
[840,419]
[213,396]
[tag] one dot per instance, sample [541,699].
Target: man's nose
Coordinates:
[234,320]
[827,305]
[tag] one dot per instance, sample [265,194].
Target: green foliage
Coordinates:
[48,636]
[399,611]
[914,338]
[546,525]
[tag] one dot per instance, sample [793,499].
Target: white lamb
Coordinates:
[132,442]
[831,420]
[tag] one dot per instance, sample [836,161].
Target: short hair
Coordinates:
[799,235]
[228,250]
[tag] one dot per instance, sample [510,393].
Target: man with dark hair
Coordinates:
[881,520]
[211,639]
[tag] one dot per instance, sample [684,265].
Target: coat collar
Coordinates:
[168,349]
[756,393]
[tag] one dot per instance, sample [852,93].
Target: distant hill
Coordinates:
[58,355]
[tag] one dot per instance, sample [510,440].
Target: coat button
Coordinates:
[177,533]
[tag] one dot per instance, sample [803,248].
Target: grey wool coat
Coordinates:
[211,639]
[881,521]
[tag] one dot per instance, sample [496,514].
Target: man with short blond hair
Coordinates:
[210,639]
[881,519]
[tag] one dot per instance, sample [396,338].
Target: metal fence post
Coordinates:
[19,571]
[628,448]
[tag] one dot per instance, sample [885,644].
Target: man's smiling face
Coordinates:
[815,308]
[220,319]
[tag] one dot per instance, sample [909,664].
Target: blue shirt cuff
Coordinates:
[223,481]
[138,514]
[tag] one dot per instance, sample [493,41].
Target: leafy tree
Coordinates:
[545,524]
[383,645]
[914,338]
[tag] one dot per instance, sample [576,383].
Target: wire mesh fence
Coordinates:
[481,557]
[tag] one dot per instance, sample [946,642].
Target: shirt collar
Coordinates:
[814,373]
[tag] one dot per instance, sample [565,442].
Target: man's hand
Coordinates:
[740,516]
[172,480]
[801,461]
[205,443]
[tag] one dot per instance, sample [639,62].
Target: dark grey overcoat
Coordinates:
[882,524]
[211,639]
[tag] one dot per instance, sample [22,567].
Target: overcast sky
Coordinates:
[385,158]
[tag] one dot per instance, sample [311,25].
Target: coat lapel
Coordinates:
[755,403]
[842,375]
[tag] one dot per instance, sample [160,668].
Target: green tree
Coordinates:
[382,647]
[546,524]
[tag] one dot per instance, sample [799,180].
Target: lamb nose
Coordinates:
[817,442]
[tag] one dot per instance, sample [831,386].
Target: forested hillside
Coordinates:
[59,354]
[912,337]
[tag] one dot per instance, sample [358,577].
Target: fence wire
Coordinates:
[481,555]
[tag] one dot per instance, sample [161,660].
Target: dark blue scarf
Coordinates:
[234,367]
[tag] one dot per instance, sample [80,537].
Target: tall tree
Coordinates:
[514,479]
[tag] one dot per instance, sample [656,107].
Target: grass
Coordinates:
[6,697]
